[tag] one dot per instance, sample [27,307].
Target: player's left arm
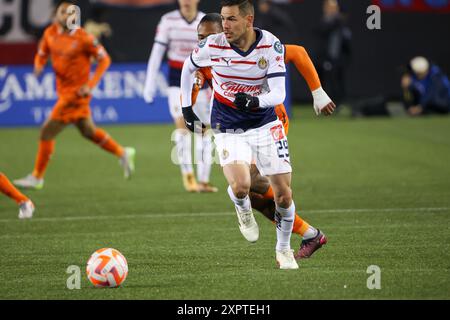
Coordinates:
[299,56]
[98,52]
[276,74]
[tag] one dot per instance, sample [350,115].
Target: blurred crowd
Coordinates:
[423,86]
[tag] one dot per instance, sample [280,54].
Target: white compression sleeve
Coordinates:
[187,81]
[154,62]
[276,95]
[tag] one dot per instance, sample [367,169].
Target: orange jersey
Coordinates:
[71,54]
[303,64]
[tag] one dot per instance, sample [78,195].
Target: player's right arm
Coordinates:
[201,76]
[199,58]
[42,54]
[154,62]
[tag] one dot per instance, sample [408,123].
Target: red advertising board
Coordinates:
[414,5]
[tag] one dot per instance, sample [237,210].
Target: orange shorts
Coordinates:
[280,110]
[69,109]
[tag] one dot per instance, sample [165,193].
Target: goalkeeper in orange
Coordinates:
[71,51]
[261,193]
[26,207]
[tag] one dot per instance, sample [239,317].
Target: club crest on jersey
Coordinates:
[278,47]
[263,63]
[202,43]
[277,133]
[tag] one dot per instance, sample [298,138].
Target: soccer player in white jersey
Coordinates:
[248,79]
[177,34]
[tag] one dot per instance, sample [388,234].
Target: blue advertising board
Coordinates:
[27,101]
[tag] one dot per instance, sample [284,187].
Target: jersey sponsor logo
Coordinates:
[263,63]
[279,58]
[230,88]
[278,47]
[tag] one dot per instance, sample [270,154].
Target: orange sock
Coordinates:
[45,151]
[269,193]
[7,188]
[300,225]
[107,143]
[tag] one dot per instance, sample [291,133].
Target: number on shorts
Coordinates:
[283,149]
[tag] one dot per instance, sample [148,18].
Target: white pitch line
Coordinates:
[377,210]
[208,214]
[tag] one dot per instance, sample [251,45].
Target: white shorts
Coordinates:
[202,107]
[267,146]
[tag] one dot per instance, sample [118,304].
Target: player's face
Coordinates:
[208,28]
[234,24]
[62,14]
[188,4]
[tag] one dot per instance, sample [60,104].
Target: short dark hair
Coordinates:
[245,6]
[71,2]
[211,18]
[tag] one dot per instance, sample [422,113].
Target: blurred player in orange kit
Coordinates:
[261,195]
[71,51]
[26,207]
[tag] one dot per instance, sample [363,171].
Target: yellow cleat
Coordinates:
[207,187]
[190,183]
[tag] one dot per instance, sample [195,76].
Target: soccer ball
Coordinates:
[107,267]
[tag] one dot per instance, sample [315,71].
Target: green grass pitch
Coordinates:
[379,188]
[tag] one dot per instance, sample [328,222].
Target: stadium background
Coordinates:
[408,28]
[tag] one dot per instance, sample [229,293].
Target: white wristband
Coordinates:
[321,99]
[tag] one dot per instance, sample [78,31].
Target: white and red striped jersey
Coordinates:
[235,71]
[179,35]
[176,36]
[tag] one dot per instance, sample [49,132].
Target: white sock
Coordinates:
[310,233]
[184,152]
[242,204]
[284,219]
[203,156]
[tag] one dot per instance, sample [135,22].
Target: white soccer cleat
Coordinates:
[286,260]
[127,162]
[26,210]
[247,225]
[29,182]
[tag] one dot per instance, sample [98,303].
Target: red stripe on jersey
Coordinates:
[176,64]
[264,46]
[224,101]
[215,60]
[235,77]
[220,47]
[243,62]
